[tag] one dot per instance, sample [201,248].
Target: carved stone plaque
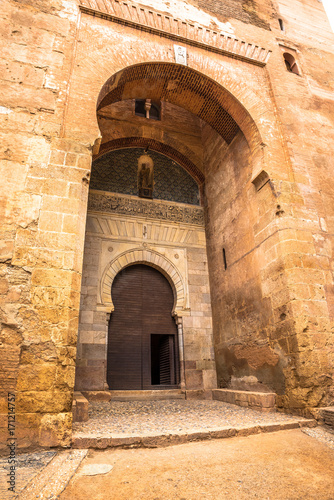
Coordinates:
[180,55]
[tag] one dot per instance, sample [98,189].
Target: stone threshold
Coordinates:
[142,395]
[80,441]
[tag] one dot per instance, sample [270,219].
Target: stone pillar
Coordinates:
[179,323]
[106,385]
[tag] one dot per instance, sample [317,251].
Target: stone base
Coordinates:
[97,395]
[80,408]
[261,401]
[328,415]
[199,394]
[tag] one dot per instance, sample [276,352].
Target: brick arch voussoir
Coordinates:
[151,258]
[201,95]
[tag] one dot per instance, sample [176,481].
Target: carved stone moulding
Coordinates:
[159,210]
[149,20]
[153,259]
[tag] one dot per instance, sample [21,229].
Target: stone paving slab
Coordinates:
[42,475]
[28,465]
[53,479]
[164,423]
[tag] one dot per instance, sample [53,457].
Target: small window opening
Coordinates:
[290,63]
[281,24]
[224,257]
[147,109]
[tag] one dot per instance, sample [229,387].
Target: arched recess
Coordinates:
[165,149]
[150,258]
[187,88]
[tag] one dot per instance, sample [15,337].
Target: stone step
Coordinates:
[145,395]
[81,440]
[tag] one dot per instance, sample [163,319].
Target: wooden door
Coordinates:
[143,301]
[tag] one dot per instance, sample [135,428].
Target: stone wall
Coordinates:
[240,255]
[306,110]
[43,204]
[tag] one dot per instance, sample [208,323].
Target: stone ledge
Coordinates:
[328,415]
[80,407]
[262,401]
[198,394]
[140,395]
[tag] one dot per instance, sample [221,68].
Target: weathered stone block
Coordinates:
[39,376]
[255,400]
[194,379]
[55,430]
[79,408]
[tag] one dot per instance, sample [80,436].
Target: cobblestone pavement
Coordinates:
[119,418]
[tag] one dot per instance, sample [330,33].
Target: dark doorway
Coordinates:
[142,344]
[163,359]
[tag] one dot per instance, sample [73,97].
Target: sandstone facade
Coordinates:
[248,113]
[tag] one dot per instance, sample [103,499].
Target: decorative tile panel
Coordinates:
[117,172]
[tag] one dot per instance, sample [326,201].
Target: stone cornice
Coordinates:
[145,19]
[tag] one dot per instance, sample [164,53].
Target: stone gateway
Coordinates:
[167,204]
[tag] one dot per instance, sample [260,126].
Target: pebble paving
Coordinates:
[145,418]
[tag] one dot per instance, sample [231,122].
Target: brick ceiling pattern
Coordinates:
[175,84]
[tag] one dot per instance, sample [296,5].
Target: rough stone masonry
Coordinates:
[248,114]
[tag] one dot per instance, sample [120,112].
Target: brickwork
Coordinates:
[273,305]
[153,21]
